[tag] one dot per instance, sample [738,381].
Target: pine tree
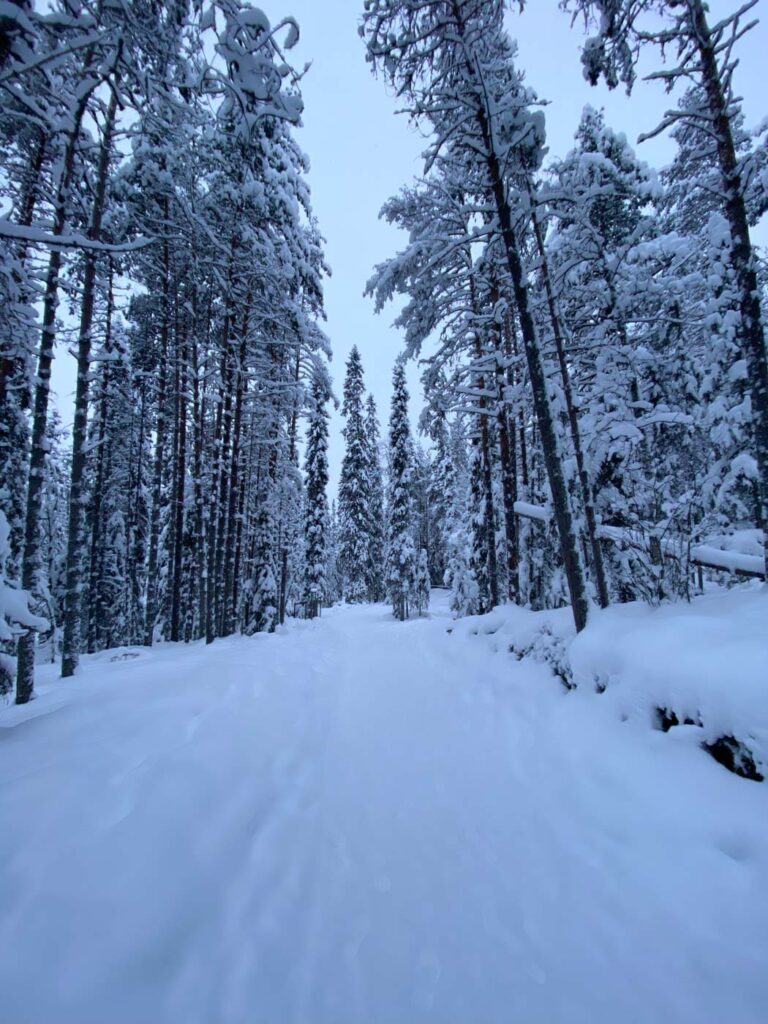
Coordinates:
[422,584]
[375,501]
[316,501]
[439,500]
[705,56]
[333,578]
[401,550]
[459,576]
[354,515]
[452,64]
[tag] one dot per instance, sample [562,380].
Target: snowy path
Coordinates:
[361,821]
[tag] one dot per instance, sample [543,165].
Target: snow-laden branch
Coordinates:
[72,240]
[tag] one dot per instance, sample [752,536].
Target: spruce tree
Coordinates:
[422,583]
[316,501]
[375,490]
[401,550]
[452,64]
[354,517]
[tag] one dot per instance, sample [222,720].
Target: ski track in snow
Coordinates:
[358,821]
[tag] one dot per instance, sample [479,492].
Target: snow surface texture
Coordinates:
[358,821]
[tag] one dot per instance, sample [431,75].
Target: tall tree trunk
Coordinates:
[157,472]
[178,495]
[95,606]
[15,382]
[74,572]
[292,462]
[587,493]
[234,487]
[214,504]
[489,512]
[229,380]
[569,542]
[505,422]
[30,566]
[198,419]
[135,546]
[742,253]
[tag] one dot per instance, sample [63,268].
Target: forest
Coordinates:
[589,332]
[454,713]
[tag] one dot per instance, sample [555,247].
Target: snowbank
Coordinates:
[705,661]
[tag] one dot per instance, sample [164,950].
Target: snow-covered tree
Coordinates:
[354,519]
[375,503]
[459,576]
[401,563]
[422,584]
[316,501]
[453,66]
[703,54]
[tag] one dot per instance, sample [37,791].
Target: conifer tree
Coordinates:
[453,65]
[459,576]
[333,580]
[316,501]
[375,494]
[401,551]
[422,583]
[354,517]
[704,55]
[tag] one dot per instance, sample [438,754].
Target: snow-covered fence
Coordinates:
[706,556]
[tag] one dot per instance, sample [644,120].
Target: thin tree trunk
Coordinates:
[587,493]
[30,567]
[74,572]
[228,611]
[742,254]
[211,622]
[489,513]
[198,416]
[292,462]
[222,504]
[178,497]
[508,464]
[15,383]
[95,607]
[569,542]
[157,472]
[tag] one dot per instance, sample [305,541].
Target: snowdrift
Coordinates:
[699,667]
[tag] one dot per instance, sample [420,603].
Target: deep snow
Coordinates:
[359,821]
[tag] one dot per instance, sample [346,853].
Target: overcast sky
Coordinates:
[361,153]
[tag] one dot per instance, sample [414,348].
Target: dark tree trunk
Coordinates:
[283,598]
[742,253]
[508,464]
[198,416]
[74,574]
[214,513]
[180,479]
[569,542]
[157,471]
[95,605]
[587,493]
[228,611]
[33,514]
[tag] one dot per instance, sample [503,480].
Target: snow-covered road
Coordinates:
[359,821]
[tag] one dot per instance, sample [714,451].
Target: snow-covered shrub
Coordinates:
[546,646]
